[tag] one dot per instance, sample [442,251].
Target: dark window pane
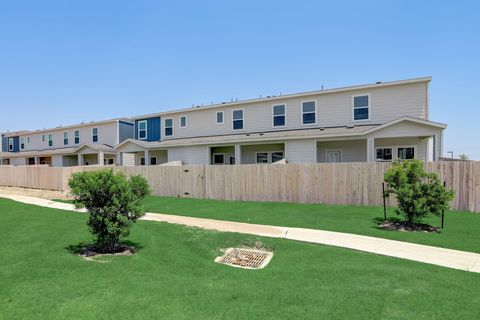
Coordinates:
[77,140]
[237,114]
[168,122]
[308,118]
[142,134]
[153,161]
[262,157]
[309,106]
[237,124]
[168,131]
[183,121]
[360,114]
[387,154]
[406,153]
[142,161]
[361,101]
[65,141]
[219,159]
[219,117]
[277,156]
[278,121]
[279,110]
[95,138]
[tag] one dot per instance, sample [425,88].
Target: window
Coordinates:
[10,144]
[384,154]
[218,158]
[262,157]
[309,112]
[237,119]
[360,107]
[43,138]
[142,161]
[183,121]
[279,115]
[333,156]
[153,161]
[142,129]
[28,139]
[76,135]
[219,117]
[406,153]
[169,127]
[95,134]
[65,138]
[22,143]
[277,156]
[50,139]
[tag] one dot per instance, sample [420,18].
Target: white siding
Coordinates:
[107,134]
[333,109]
[189,155]
[419,144]
[300,151]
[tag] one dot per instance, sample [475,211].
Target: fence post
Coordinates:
[384,205]
[443,210]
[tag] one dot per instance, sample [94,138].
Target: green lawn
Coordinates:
[461,228]
[173,276]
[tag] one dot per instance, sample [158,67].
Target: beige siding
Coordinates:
[128,159]
[333,109]
[406,129]
[351,150]
[300,151]
[249,153]
[419,144]
[107,134]
[189,155]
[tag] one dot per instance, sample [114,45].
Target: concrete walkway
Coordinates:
[455,259]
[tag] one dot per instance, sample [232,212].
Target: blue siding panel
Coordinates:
[125,131]
[153,129]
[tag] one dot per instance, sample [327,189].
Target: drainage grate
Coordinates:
[245,258]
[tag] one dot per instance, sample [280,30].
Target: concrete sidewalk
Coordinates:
[455,259]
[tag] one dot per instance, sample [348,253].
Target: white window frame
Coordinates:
[302,113]
[243,119]
[385,147]
[22,143]
[407,146]
[138,129]
[269,156]
[74,136]
[165,127]
[369,107]
[333,150]
[10,144]
[156,161]
[218,154]
[223,117]
[284,115]
[28,139]
[68,138]
[95,135]
[186,121]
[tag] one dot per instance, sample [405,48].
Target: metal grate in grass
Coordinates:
[245,258]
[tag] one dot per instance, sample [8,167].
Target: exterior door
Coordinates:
[334,156]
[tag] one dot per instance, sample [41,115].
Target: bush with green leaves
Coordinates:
[419,193]
[113,203]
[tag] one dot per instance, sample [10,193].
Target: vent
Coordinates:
[245,258]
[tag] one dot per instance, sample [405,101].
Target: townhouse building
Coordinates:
[365,123]
[382,121]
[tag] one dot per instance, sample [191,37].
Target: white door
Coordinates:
[334,156]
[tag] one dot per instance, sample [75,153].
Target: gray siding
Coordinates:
[333,109]
[249,153]
[189,155]
[351,150]
[125,131]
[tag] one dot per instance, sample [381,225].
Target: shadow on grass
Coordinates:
[79,248]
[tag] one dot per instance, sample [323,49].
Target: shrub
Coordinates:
[113,204]
[419,193]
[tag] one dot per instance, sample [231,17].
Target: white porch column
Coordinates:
[238,154]
[437,146]
[101,157]
[119,158]
[370,150]
[80,159]
[146,155]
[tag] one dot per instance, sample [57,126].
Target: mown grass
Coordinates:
[173,276]
[461,228]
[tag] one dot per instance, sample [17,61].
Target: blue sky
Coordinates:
[62,62]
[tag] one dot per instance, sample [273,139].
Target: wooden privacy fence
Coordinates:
[335,183]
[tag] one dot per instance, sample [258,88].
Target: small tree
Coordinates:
[418,193]
[113,202]
[463,157]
